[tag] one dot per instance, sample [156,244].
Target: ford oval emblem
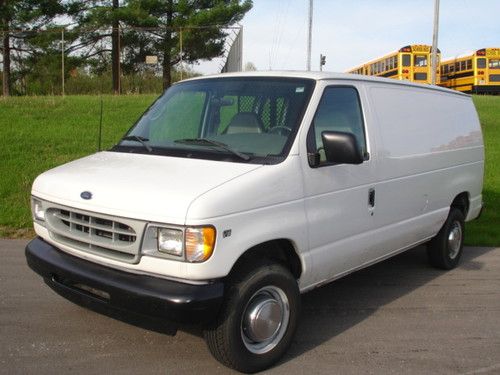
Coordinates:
[86,195]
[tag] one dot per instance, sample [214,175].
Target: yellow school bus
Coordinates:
[477,72]
[410,63]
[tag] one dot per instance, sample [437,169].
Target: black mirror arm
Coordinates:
[314,159]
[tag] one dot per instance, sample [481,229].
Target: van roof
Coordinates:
[321,76]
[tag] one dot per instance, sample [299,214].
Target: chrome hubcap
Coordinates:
[454,239]
[265,319]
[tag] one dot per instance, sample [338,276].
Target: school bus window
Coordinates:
[457,66]
[452,68]
[481,63]
[395,61]
[469,64]
[406,60]
[462,65]
[420,60]
[494,64]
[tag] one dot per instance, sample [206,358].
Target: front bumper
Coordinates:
[146,301]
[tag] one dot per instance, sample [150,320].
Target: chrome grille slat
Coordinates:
[116,238]
[95,249]
[94,225]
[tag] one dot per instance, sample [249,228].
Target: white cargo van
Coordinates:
[235,193]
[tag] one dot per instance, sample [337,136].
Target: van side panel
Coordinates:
[430,150]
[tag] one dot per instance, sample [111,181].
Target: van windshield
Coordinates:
[243,119]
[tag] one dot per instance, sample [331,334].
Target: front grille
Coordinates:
[495,77]
[115,238]
[420,76]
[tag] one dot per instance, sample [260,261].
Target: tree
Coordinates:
[92,17]
[4,27]
[30,15]
[194,20]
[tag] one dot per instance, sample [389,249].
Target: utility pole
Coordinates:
[4,27]
[115,49]
[309,35]
[62,63]
[434,63]
[6,63]
[181,51]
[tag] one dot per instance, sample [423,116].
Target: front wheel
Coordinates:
[444,250]
[258,319]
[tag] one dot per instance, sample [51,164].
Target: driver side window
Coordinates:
[339,110]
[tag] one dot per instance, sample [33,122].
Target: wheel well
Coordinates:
[281,251]
[461,202]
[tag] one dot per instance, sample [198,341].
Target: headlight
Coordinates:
[170,241]
[189,244]
[199,243]
[37,209]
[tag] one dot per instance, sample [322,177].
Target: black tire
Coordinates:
[445,249]
[229,338]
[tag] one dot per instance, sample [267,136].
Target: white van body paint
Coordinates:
[425,147]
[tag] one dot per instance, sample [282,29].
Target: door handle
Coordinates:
[371,197]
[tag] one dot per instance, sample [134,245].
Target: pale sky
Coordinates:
[352,32]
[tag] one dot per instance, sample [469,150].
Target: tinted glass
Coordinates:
[420,60]
[339,110]
[481,63]
[494,64]
[257,117]
[406,60]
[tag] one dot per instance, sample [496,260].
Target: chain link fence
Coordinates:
[70,62]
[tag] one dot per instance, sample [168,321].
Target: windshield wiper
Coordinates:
[210,142]
[139,139]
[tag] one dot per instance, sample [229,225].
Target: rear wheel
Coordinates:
[258,319]
[444,250]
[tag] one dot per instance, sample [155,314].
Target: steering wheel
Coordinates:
[280,128]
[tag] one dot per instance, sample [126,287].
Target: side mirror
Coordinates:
[341,148]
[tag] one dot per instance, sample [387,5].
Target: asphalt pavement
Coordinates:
[397,317]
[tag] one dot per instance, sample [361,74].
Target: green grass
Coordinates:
[38,133]
[486,230]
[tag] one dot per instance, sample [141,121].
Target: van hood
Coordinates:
[145,187]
